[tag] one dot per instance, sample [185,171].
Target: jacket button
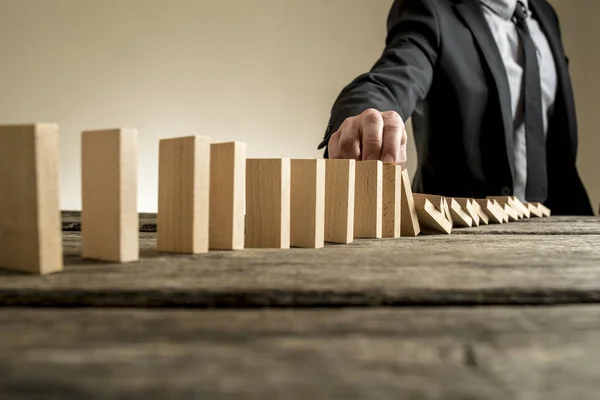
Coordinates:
[506,191]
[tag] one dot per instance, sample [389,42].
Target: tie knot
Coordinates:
[520,14]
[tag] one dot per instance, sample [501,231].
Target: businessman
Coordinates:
[487,85]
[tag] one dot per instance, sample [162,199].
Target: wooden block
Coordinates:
[511,213]
[469,207]
[500,210]
[484,218]
[534,210]
[514,203]
[431,213]
[392,201]
[307,226]
[268,193]
[545,210]
[30,222]
[409,221]
[183,195]
[520,207]
[339,200]
[109,184]
[446,211]
[460,216]
[227,196]
[493,211]
[368,197]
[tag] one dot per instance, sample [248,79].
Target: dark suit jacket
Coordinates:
[442,67]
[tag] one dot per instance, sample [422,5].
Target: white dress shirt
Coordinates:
[498,14]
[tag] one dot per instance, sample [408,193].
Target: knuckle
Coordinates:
[373,119]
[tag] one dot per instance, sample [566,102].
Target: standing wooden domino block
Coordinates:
[433,216]
[227,195]
[268,203]
[307,229]
[409,221]
[339,200]
[493,212]
[392,203]
[460,216]
[469,207]
[183,195]
[30,226]
[109,216]
[368,215]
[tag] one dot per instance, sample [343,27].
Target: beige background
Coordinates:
[260,71]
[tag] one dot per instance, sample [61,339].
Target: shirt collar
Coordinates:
[503,8]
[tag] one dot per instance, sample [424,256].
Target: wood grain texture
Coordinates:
[392,201]
[109,182]
[460,216]
[307,229]
[368,197]
[183,195]
[472,267]
[493,353]
[268,194]
[340,180]
[227,195]
[30,237]
[409,220]
[493,211]
[433,214]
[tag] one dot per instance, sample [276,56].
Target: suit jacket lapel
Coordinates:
[470,11]
[545,18]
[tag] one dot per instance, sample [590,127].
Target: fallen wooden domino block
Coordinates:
[30,222]
[484,218]
[468,205]
[514,203]
[511,213]
[501,211]
[493,211]
[392,203]
[368,197]
[534,210]
[409,223]
[542,209]
[183,195]
[227,196]
[446,211]
[339,200]
[307,226]
[461,217]
[109,215]
[268,203]
[432,214]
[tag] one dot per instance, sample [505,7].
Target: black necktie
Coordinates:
[537,178]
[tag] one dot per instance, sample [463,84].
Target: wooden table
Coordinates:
[498,312]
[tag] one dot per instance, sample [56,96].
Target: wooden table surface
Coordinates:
[499,312]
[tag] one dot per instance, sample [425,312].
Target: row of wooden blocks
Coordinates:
[211,196]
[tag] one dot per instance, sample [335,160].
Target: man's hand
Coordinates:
[372,135]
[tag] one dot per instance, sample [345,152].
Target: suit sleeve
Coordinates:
[403,74]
